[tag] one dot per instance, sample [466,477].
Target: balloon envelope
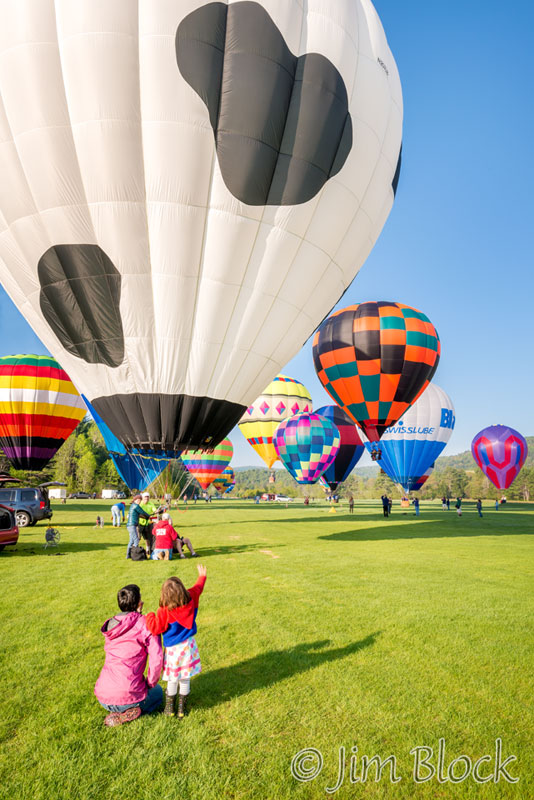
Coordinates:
[411,446]
[177,218]
[206,465]
[225,480]
[39,408]
[375,359]
[500,452]
[351,447]
[306,445]
[138,469]
[283,398]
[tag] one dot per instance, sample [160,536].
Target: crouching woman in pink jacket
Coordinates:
[121,687]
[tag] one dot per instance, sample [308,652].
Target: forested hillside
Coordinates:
[83,464]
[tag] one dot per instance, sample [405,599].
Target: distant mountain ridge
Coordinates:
[458,461]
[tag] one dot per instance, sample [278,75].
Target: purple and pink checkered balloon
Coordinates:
[306,445]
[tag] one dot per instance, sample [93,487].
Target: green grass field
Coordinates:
[315,631]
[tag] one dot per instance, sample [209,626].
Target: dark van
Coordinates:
[29,504]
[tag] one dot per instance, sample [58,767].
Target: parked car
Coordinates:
[30,504]
[9,532]
[80,496]
[283,498]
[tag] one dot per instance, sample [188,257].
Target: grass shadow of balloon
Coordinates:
[266,669]
[460,528]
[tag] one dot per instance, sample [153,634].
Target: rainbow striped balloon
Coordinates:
[306,445]
[206,465]
[225,480]
[39,409]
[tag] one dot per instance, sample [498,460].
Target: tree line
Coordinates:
[83,464]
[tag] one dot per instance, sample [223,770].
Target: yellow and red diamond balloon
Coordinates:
[283,398]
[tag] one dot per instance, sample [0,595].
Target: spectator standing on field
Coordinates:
[132,526]
[145,526]
[117,510]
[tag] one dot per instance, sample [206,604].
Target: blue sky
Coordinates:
[458,243]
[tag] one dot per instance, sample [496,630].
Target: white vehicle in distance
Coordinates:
[283,498]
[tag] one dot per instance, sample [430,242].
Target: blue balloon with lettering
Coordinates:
[407,451]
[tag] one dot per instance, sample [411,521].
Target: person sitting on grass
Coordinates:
[168,540]
[164,538]
[122,688]
[176,619]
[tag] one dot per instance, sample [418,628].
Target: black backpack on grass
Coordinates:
[138,553]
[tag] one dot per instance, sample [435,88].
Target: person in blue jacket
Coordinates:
[133,523]
[117,510]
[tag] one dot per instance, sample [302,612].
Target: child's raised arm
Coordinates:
[196,590]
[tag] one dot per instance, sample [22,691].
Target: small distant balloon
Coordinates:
[207,465]
[225,481]
[500,452]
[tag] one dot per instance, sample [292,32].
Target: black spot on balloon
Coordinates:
[79,298]
[395,181]
[281,124]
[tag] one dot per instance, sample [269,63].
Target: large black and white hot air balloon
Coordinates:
[187,189]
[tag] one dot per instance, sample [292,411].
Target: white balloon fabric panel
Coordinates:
[188,188]
[411,447]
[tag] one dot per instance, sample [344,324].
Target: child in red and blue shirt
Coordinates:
[176,620]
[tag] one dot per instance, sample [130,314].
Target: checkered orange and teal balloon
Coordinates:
[375,359]
[207,465]
[306,445]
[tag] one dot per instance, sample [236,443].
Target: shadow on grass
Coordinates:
[222,685]
[231,549]
[66,547]
[464,528]
[378,519]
